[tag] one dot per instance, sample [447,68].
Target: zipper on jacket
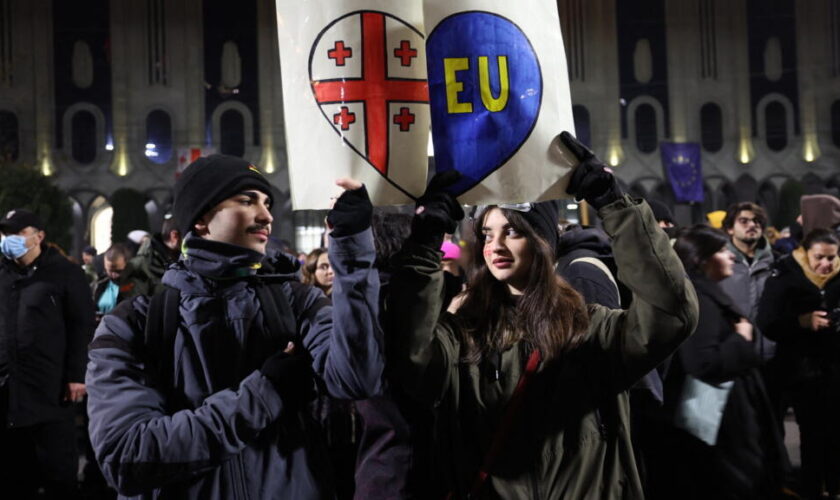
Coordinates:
[238,477]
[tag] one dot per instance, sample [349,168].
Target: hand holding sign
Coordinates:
[592,180]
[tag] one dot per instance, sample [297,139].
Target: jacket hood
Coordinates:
[590,241]
[819,211]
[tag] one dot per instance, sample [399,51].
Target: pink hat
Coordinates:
[450,250]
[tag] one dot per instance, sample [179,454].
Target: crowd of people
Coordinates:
[427,355]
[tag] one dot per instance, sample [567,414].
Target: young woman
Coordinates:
[799,310]
[745,458]
[565,435]
[317,270]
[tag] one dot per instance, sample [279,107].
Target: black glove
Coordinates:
[437,212]
[292,377]
[592,180]
[351,213]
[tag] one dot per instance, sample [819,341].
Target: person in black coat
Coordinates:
[748,459]
[800,309]
[46,322]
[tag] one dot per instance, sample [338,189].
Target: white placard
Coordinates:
[355,98]
[499,93]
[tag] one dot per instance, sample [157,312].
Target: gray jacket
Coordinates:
[746,285]
[230,439]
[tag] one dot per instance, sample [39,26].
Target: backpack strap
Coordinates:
[162,321]
[603,267]
[282,323]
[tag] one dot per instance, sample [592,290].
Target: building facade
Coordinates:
[108,94]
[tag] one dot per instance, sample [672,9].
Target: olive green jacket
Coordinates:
[571,439]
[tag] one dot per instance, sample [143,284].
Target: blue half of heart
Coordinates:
[470,54]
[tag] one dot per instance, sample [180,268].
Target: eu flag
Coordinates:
[682,168]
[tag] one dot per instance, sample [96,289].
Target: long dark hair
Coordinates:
[550,314]
[696,244]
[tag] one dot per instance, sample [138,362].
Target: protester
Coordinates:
[88,257]
[156,254]
[318,272]
[46,320]
[120,281]
[208,401]
[745,223]
[731,447]
[566,433]
[393,449]
[585,261]
[799,310]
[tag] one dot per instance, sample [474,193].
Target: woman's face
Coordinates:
[719,265]
[821,257]
[507,253]
[323,272]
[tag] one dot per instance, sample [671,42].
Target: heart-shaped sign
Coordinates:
[367,74]
[486,89]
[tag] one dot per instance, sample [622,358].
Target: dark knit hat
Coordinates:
[543,217]
[208,181]
[18,219]
[661,212]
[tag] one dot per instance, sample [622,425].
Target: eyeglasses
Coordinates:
[746,220]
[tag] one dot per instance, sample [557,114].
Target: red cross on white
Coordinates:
[339,53]
[404,119]
[375,89]
[405,53]
[344,118]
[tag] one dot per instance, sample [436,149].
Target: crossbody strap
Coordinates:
[508,419]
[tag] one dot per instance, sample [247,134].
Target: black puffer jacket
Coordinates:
[47,319]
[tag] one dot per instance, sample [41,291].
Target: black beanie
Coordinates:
[660,210]
[208,181]
[543,217]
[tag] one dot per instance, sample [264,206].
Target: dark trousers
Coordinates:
[818,415]
[37,456]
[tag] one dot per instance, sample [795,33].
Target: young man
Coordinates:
[745,223]
[227,423]
[46,320]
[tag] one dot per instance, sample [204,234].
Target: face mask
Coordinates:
[14,246]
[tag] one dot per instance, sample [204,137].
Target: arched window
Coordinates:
[9,136]
[158,136]
[232,132]
[835,123]
[582,125]
[711,127]
[775,126]
[100,223]
[646,135]
[83,137]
